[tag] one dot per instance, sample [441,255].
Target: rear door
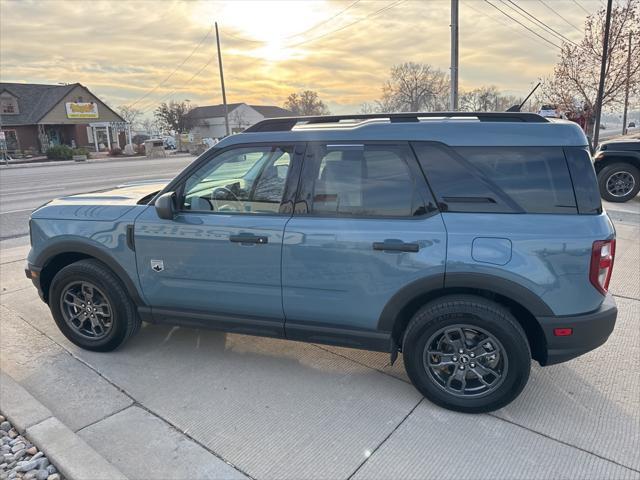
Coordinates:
[365,226]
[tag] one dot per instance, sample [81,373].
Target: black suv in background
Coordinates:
[617,163]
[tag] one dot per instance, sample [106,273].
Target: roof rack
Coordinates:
[283,124]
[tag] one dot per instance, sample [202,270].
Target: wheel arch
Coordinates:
[57,256]
[617,157]
[522,303]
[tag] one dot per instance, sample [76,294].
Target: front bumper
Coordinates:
[33,273]
[590,330]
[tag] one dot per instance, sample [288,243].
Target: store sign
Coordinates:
[82,110]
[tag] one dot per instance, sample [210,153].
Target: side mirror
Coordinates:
[165,206]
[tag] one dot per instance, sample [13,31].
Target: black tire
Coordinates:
[627,170]
[469,311]
[124,319]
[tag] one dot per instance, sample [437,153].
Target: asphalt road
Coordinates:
[24,188]
[615,131]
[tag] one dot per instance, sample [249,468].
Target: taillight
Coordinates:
[602,255]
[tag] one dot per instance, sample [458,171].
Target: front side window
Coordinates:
[360,181]
[247,180]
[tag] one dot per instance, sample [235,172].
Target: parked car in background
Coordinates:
[169,142]
[471,246]
[139,139]
[632,125]
[617,164]
[549,111]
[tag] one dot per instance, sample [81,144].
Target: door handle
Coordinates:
[244,238]
[396,246]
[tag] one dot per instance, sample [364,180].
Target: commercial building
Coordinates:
[208,121]
[35,117]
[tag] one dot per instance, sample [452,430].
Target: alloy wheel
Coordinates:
[620,184]
[86,310]
[465,360]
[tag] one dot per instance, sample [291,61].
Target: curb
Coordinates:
[90,161]
[71,455]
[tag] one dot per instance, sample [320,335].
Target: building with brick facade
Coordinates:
[35,117]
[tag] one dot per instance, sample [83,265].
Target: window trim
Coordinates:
[422,189]
[177,185]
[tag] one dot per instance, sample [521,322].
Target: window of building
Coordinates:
[8,104]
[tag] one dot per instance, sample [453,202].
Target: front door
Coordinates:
[218,262]
[365,226]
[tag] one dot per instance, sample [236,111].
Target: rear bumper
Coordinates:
[590,330]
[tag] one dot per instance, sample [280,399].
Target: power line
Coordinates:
[583,9]
[554,32]
[373,14]
[501,22]
[523,25]
[324,21]
[149,92]
[559,16]
[299,34]
[163,98]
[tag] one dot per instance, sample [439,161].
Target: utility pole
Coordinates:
[454,55]
[603,67]
[224,94]
[626,92]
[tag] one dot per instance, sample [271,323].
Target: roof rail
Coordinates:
[283,124]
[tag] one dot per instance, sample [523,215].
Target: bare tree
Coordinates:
[129,114]
[149,125]
[486,99]
[574,84]
[414,87]
[306,103]
[174,116]
[238,120]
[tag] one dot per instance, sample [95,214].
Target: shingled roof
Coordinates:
[34,100]
[216,111]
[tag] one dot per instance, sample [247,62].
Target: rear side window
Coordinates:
[498,179]
[361,181]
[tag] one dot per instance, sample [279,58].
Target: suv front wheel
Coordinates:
[91,307]
[466,353]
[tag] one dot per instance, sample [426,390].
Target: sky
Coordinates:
[141,53]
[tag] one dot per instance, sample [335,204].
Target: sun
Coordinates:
[270,28]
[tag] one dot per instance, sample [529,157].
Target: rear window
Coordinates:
[498,179]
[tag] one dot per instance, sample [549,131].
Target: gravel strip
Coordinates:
[19,458]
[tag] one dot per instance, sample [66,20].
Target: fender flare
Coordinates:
[91,250]
[478,281]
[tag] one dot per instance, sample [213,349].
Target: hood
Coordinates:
[105,205]
[127,194]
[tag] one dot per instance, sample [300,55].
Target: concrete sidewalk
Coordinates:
[184,403]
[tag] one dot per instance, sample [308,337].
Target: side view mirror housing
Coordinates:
[165,206]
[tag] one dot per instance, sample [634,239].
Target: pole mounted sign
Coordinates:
[82,110]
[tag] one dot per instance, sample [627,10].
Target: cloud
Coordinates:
[121,50]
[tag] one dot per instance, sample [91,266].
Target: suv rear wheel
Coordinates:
[466,353]
[91,307]
[619,182]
